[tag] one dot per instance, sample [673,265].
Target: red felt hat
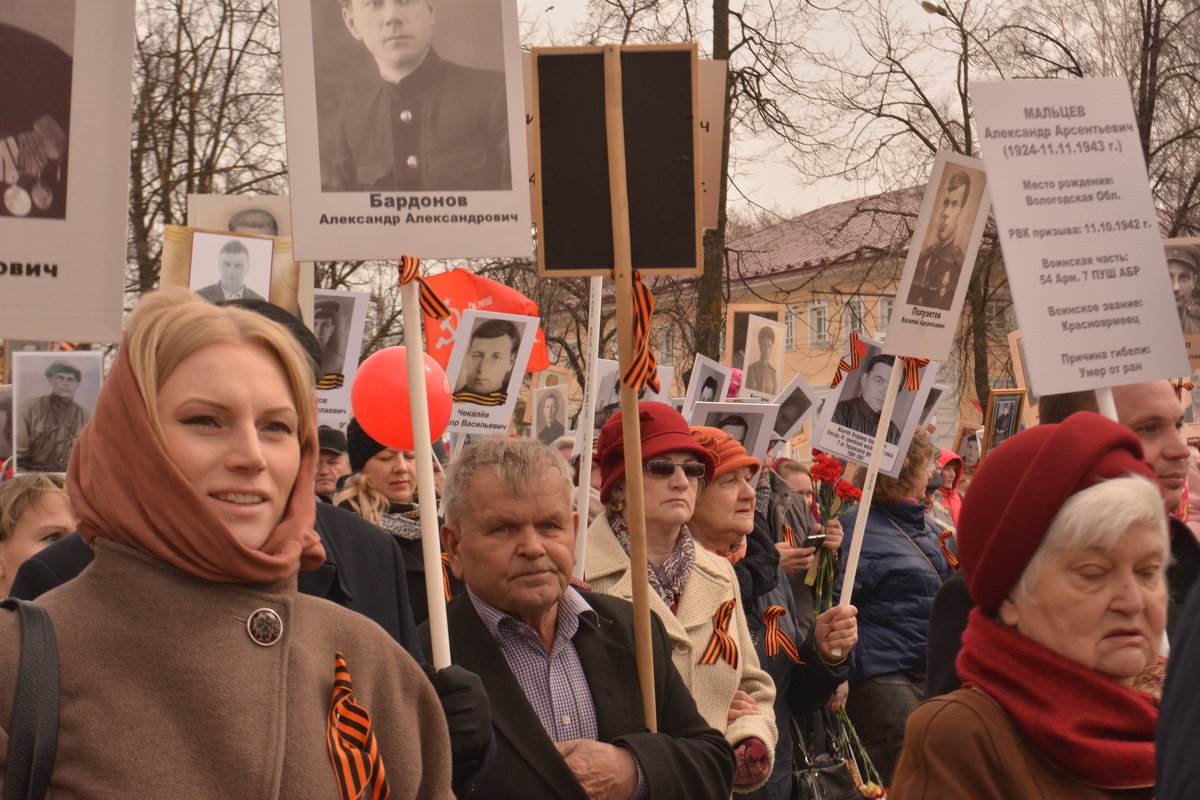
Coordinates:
[1020,487]
[726,450]
[664,430]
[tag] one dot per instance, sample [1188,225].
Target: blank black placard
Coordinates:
[575,235]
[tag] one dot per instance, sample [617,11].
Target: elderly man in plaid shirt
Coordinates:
[558,662]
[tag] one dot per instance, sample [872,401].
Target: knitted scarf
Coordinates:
[1089,726]
[670,579]
[124,487]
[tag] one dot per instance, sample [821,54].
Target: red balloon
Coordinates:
[380,398]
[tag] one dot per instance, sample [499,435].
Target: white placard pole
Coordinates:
[585,417]
[431,549]
[1105,402]
[864,506]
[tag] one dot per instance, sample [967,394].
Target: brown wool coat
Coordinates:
[163,693]
[963,744]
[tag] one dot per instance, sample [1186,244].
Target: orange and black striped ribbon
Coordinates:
[1180,388]
[643,371]
[357,764]
[844,365]
[446,577]
[912,372]
[331,380]
[951,559]
[490,399]
[776,638]
[720,644]
[788,536]
[431,304]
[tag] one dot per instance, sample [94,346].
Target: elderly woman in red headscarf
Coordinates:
[1063,544]
[189,664]
[693,592]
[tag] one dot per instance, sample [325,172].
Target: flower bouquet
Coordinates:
[832,495]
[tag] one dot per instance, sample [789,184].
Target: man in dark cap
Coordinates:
[1183,264]
[333,344]
[50,423]
[332,462]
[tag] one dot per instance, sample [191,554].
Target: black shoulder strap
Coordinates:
[33,734]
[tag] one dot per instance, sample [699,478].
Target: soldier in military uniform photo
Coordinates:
[421,123]
[941,260]
[50,423]
[1183,263]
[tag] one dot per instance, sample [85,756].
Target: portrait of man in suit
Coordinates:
[233,265]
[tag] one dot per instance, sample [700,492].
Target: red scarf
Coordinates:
[1092,728]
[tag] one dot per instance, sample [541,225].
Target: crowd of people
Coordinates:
[215,563]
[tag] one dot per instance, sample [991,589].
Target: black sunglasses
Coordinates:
[661,468]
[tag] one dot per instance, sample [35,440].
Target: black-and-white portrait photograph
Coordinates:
[796,402]
[486,369]
[752,424]
[1003,419]
[550,413]
[737,323]
[37,40]
[851,413]
[943,250]
[54,395]
[937,393]
[709,383]
[1183,265]
[258,215]
[762,362]
[968,445]
[230,268]
[332,326]
[411,96]
[6,422]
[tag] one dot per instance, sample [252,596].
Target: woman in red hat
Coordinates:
[693,592]
[800,661]
[1064,548]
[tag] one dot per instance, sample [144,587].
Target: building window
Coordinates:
[885,311]
[789,334]
[855,319]
[818,325]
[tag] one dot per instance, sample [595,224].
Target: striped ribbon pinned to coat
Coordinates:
[1180,388]
[850,365]
[789,536]
[777,638]
[944,537]
[912,372]
[431,304]
[643,371]
[446,577]
[721,644]
[353,750]
[331,380]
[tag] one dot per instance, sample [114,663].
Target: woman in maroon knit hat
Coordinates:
[693,592]
[1063,544]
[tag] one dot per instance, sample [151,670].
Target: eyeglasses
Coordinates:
[662,468]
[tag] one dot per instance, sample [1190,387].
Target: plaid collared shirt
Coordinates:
[554,683]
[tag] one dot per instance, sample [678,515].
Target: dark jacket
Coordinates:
[442,128]
[686,759]
[894,587]
[364,571]
[800,689]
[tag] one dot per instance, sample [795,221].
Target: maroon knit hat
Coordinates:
[1020,488]
[664,430]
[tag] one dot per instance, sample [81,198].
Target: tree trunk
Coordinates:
[709,317]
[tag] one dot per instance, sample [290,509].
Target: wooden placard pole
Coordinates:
[864,507]
[631,425]
[585,418]
[431,549]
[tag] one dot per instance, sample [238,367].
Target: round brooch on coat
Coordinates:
[265,627]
